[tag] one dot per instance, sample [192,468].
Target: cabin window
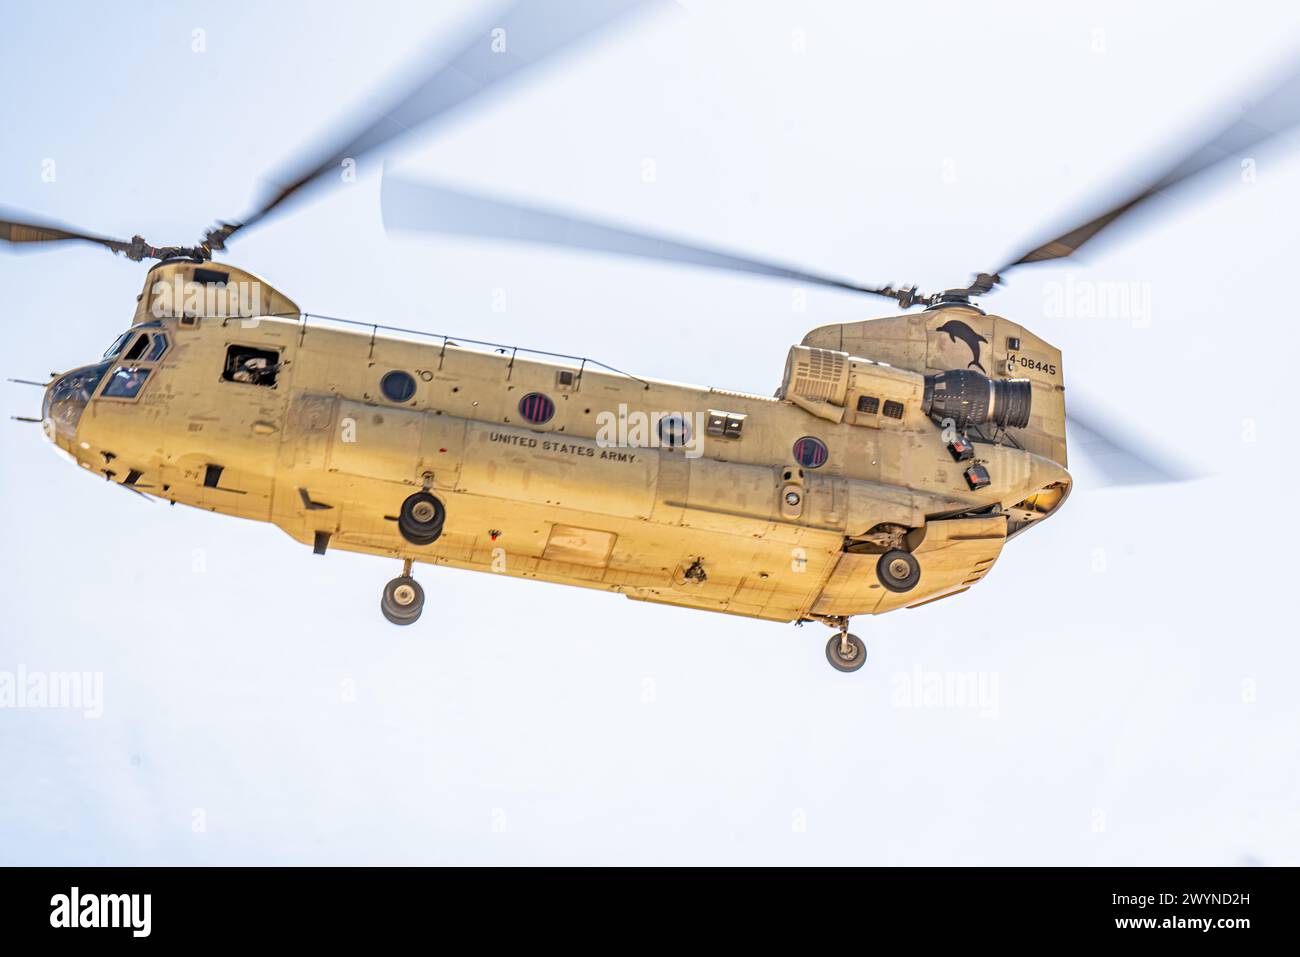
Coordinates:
[674,431]
[868,404]
[126,382]
[536,408]
[251,365]
[811,452]
[893,410]
[397,386]
[157,349]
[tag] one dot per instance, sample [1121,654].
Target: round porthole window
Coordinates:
[397,386]
[536,408]
[674,431]
[810,452]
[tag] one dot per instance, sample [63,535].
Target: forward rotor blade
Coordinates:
[427,208]
[1271,114]
[523,35]
[23,232]
[20,232]
[1122,459]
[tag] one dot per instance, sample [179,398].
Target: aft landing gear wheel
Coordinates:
[420,520]
[846,652]
[403,600]
[898,570]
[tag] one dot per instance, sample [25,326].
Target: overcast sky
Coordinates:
[1136,653]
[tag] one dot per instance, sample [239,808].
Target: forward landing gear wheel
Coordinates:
[846,652]
[420,520]
[898,570]
[402,601]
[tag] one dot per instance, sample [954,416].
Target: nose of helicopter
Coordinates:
[65,401]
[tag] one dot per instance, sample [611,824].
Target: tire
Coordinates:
[899,571]
[840,663]
[421,518]
[402,600]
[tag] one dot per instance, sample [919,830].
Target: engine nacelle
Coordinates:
[972,398]
[837,386]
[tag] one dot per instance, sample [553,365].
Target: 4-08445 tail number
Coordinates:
[1025,362]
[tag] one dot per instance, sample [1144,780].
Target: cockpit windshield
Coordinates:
[119,344]
[131,346]
[67,396]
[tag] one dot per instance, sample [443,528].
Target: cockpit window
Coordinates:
[137,348]
[157,349]
[126,382]
[118,345]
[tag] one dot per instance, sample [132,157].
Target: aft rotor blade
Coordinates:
[522,36]
[424,207]
[1275,112]
[1122,459]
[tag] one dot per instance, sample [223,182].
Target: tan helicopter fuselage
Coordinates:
[715,513]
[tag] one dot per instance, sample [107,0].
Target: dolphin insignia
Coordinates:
[957,329]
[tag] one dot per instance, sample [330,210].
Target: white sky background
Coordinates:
[1142,641]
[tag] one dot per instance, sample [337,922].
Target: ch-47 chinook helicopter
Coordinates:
[896,459]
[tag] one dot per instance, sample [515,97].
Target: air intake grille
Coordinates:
[818,374]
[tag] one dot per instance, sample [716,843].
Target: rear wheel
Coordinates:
[846,652]
[899,571]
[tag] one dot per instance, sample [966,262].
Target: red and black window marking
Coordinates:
[811,453]
[536,408]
